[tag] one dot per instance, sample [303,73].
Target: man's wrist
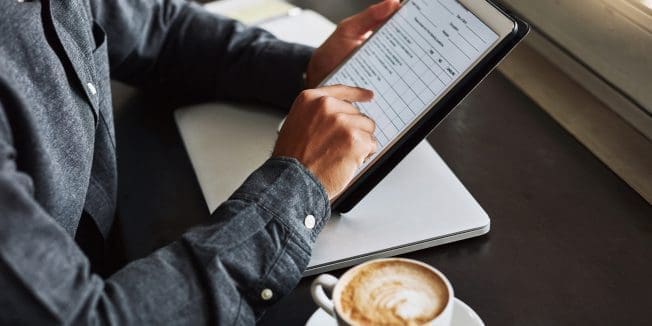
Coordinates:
[287,189]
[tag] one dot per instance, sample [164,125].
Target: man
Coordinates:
[58,170]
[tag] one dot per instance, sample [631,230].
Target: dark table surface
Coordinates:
[571,243]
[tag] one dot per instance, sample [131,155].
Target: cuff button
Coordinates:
[91,88]
[309,221]
[266,294]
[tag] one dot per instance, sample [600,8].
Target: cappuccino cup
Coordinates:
[392,291]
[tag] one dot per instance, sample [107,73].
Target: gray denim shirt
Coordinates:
[58,164]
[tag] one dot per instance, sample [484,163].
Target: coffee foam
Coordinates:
[393,293]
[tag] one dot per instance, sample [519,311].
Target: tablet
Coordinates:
[420,64]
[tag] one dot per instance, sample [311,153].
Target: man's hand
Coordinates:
[328,135]
[323,130]
[350,33]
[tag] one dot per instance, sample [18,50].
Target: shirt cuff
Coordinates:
[292,194]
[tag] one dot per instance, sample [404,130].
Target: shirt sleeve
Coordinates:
[227,272]
[179,47]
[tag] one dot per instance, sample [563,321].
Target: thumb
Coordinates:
[357,26]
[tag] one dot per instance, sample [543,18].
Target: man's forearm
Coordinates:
[263,235]
[179,47]
[227,272]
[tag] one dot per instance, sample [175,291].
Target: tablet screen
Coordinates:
[411,61]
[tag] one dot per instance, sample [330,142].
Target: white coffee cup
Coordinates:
[393,290]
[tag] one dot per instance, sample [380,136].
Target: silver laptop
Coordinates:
[419,204]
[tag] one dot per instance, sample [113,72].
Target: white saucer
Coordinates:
[463,315]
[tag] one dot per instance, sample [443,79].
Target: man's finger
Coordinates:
[373,145]
[374,149]
[347,93]
[363,122]
[346,108]
[367,149]
[360,24]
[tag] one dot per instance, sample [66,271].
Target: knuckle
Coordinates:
[374,146]
[324,102]
[304,96]
[373,140]
[305,93]
[372,124]
[351,137]
[322,106]
[340,119]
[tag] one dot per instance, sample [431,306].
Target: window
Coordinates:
[610,38]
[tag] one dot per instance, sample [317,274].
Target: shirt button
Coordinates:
[309,221]
[266,294]
[91,88]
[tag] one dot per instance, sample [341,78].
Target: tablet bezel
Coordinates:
[510,31]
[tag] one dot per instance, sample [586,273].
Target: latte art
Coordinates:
[401,301]
[393,293]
